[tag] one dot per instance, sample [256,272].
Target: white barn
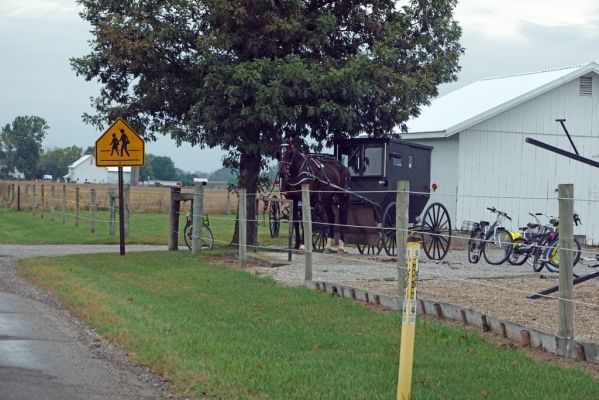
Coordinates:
[84,170]
[480,158]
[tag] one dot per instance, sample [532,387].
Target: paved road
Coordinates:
[42,353]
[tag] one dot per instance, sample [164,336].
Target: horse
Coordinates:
[327,179]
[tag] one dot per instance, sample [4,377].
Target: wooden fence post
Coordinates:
[566,260]
[52,205]
[42,194]
[401,231]
[64,204]
[111,212]
[26,201]
[77,206]
[173,219]
[92,210]
[126,191]
[33,200]
[19,198]
[307,220]
[242,227]
[228,203]
[197,221]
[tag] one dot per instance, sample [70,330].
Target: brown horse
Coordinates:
[328,180]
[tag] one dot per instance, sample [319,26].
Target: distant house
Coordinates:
[480,158]
[84,170]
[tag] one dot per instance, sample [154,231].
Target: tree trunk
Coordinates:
[249,170]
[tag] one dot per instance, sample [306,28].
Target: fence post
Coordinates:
[127,189]
[111,212]
[256,222]
[401,231]
[173,219]
[64,204]
[242,227]
[42,195]
[307,220]
[26,198]
[198,218]
[290,228]
[76,206]
[92,210]
[18,198]
[33,200]
[52,205]
[228,202]
[566,259]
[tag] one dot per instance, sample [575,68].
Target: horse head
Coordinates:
[287,159]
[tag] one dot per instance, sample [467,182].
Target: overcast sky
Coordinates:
[37,38]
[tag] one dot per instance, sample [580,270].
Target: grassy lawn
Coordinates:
[226,334]
[145,228]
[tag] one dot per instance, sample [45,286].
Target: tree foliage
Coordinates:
[56,161]
[21,144]
[242,74]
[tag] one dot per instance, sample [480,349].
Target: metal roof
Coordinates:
[80,160]
[472,104]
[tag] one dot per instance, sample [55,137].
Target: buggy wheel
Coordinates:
[274,218]
[436,231]
[319,228]
[388,231]
[369,249]
[475,245]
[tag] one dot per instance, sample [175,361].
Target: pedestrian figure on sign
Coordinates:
[115,145]
[124,143]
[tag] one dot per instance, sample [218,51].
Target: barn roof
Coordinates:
[478,101]
[80,160]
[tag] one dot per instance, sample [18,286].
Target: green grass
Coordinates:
[225,334]
[145,228]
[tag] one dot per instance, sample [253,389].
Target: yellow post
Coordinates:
[408,324]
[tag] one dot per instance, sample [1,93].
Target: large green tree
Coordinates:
[242,74]
[56,161]
[21,144]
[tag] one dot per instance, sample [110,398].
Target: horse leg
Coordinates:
[343,212]
[296,224]
[328,208]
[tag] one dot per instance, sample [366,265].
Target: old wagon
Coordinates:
[376,165]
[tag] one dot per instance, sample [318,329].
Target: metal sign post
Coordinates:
[120,146]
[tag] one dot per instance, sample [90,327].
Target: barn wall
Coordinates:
[87,170]
[444,172]
[497,168]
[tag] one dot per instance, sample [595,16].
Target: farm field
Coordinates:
[219,332]
[145,228]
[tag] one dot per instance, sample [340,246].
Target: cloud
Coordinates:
[40,10]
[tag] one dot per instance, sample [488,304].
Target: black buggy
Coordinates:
[376,164]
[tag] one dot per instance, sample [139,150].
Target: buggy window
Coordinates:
[362,160]
[396,161]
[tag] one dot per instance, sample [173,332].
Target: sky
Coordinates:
[37,38]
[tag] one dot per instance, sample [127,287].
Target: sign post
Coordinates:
[120,146]
[408,323]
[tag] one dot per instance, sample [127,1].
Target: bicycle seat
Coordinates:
[483,223]
[532,226]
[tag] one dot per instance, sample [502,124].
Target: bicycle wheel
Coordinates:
[519,253]
[552,255]
[207,237]
[187,235]
[497,246]
[475,245]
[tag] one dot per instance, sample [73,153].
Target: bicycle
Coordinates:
[207,236]
[538,244]
[494,242]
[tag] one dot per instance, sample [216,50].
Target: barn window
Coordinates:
[396,161]
[586,85]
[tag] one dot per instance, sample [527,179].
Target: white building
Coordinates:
[84,170]
[480,158]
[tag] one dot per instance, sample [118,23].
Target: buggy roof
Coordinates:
[382,140]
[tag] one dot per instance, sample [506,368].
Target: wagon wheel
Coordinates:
[388,231]
[436,231]
[369,249]
[274,218]
[319,228]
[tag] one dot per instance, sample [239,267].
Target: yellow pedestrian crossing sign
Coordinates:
[120,146]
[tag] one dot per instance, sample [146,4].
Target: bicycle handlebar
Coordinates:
[494,210]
